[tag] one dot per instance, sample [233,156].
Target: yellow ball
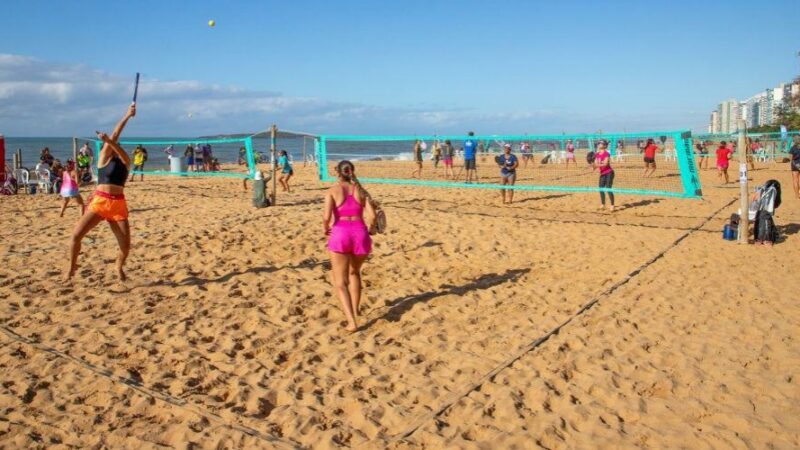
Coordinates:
[211,23]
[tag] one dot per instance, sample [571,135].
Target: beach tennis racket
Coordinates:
[500,160]
[136,87]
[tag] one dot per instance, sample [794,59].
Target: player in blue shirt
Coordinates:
[508,163]
[470,147]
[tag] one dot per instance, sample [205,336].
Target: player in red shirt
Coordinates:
[724,154]
[650,157]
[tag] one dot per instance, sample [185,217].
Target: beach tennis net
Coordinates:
[228,157]
[546,162]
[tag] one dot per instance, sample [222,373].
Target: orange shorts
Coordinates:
[112,208]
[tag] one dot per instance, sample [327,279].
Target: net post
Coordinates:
[686,164]
[251,159]
[97,146]
[744,200]
[75,149]
[273,132]
[322,158]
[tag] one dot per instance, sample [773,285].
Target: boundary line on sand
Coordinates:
[541,340]
[137,386]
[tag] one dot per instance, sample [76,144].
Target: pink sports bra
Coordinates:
[349,207]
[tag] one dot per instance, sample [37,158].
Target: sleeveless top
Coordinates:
[349,207]
[114,173]
[67,183]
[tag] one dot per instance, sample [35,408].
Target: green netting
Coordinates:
[378,162]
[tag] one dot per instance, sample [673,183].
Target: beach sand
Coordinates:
[475,335]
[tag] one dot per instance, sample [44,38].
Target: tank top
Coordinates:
[67,183]
[114,173]
[600,158]
[349,207]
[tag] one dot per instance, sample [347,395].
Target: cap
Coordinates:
[507,145]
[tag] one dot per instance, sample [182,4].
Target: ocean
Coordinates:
[61,148]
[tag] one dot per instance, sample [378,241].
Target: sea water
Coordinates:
[61,149]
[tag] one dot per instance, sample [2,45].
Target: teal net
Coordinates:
[546,162]
[229,157]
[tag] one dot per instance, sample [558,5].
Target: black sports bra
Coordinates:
[115,173]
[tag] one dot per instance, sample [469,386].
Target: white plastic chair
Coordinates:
[43,181]
[23,179]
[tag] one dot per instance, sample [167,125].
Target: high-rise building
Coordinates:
[758,110]
[713,127]
[728,111]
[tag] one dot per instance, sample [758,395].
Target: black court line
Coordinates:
[136,385]
[541,340]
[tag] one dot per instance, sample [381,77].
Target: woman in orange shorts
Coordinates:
[108,201]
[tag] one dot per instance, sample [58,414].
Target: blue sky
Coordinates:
[388,66]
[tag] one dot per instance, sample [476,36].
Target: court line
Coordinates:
[489,376]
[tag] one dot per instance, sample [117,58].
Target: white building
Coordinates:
[713,127]
[728,111]
[758,110]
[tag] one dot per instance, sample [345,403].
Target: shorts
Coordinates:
[722,166]
[189,161]
[469,164]
[511,177]
[112,208]
[289,172]
[795,165]
[350,238]
[649,160]
[138,168]
[571,156]
[448,162]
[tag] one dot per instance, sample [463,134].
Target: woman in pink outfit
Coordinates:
[69,188]
[349,241]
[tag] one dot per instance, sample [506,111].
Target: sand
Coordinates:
[227,334]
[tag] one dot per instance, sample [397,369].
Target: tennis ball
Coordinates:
[211,23]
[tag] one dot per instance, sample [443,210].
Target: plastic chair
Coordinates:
[23,179]
[43,181]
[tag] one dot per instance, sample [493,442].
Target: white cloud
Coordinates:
[41,98]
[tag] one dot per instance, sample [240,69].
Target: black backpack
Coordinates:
[765,229]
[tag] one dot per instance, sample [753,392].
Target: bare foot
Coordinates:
[70,273]
[352,328]
[611,208]
[121,273]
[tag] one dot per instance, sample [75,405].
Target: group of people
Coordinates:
[65,179]
[350,214]
[601,160]
[200,158]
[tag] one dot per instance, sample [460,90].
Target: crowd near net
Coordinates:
[763,147]
[196,157]
[546,162]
